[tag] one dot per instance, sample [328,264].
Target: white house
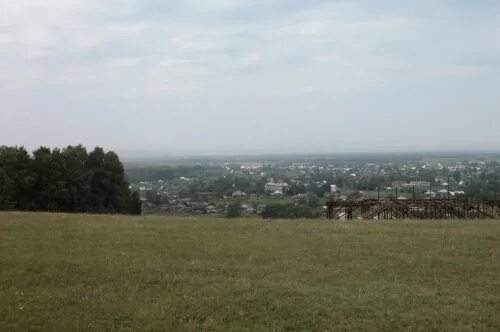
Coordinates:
[273,187]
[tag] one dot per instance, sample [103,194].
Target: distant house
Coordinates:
[443,193]
[300,196]
[205,195]
[277,193]
[167,207]
[247,210]
[272,187]
[430,194]
[421,184]
[211,209]
[416,184]
[398,184]
[239,194]
[260,208]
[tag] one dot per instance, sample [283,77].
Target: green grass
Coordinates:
[82,272]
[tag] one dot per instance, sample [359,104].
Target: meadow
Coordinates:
[65,272]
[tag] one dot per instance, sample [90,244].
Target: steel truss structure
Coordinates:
[413,209]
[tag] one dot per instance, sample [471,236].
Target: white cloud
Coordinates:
[196,45]
[123,62]
[215,5]
[251,58]
[235,58]
[33,29]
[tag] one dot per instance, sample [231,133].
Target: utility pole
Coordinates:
[430,189]
[448,188]
[430,198]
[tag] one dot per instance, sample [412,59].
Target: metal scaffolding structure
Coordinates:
[413,209]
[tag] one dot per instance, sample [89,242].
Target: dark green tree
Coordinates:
[134,205]
[68,180]
[233,210]
[17,178]
[7,189]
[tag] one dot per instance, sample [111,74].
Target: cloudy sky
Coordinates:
[251,76]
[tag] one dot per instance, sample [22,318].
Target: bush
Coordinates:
[233,210]
[288,211]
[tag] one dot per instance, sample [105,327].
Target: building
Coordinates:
[272,187]
[442,193]
[211,209]
[411,184]
[430,194]
[205,195]
[277,193]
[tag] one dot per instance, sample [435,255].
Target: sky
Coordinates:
[250,76]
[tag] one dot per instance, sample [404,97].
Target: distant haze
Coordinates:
[242,76]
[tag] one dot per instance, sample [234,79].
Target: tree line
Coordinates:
[64,180]
[279,211]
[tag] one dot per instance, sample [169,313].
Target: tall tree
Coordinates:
[69,180]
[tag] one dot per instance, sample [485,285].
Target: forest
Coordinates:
[65,180]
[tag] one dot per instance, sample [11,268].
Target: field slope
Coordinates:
[79,272]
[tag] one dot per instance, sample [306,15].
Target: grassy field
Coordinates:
[77,273]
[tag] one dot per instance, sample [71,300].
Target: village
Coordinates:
[209,187]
